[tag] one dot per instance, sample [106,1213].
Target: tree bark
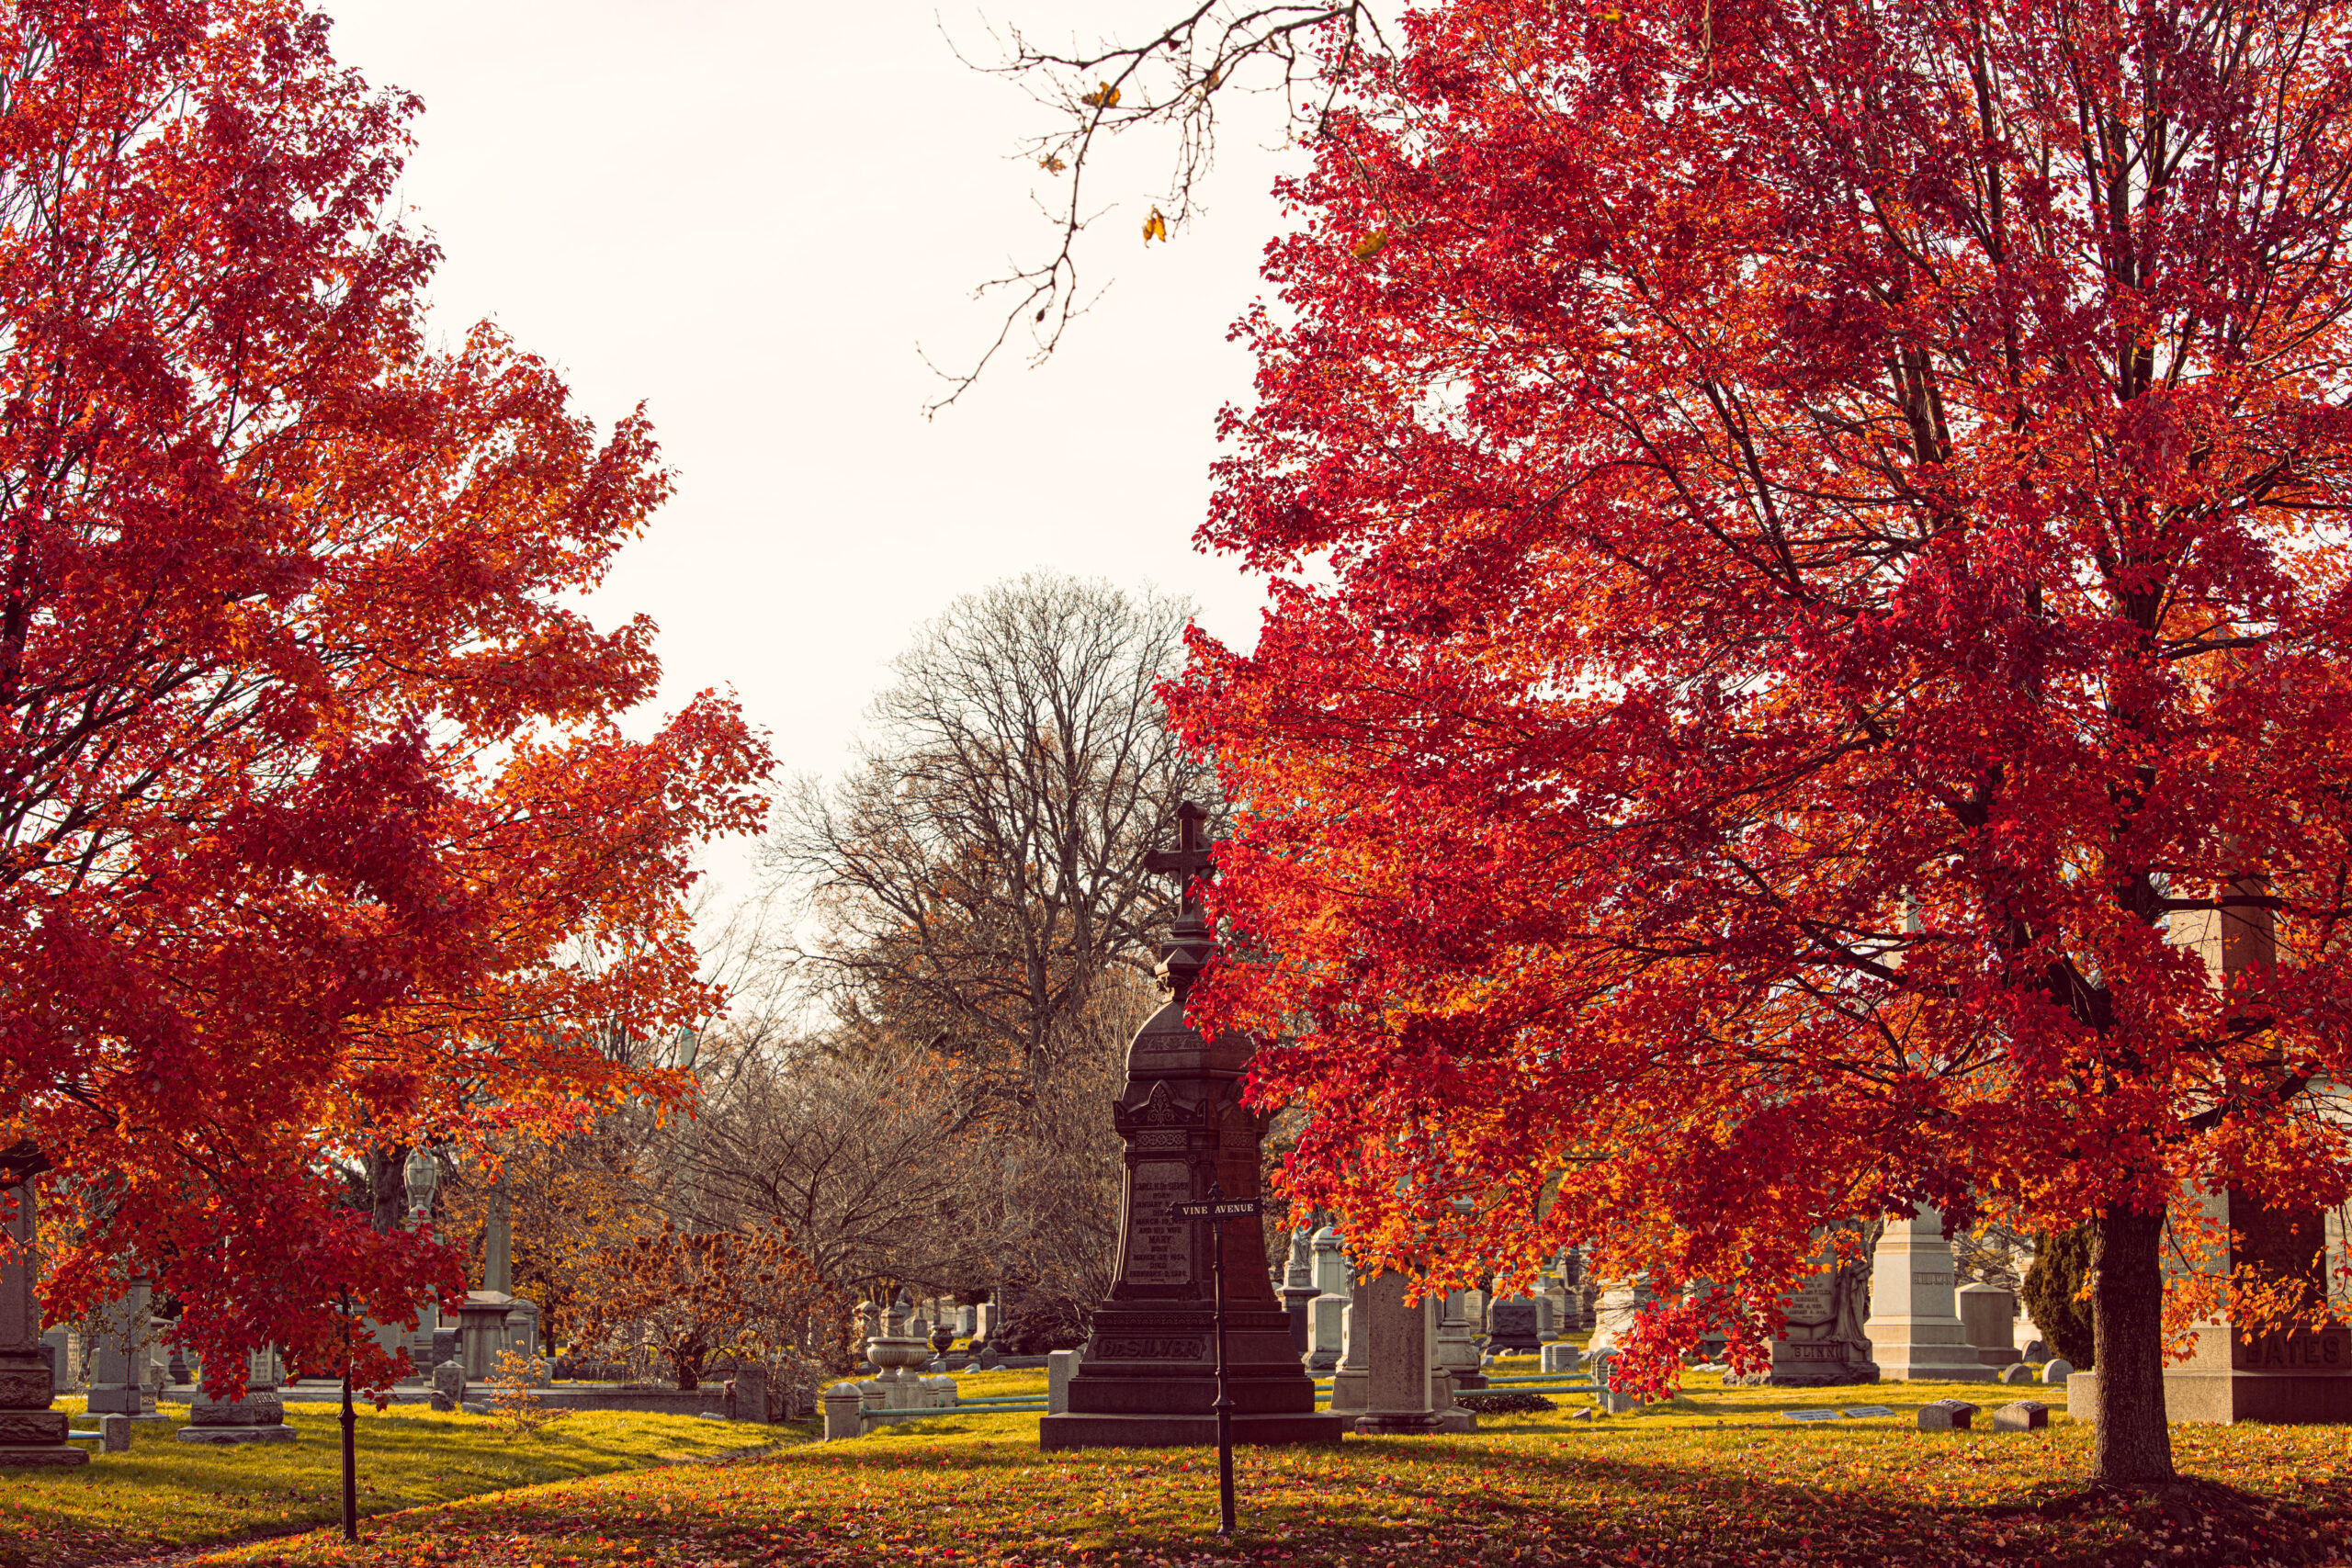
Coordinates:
[2132,1446]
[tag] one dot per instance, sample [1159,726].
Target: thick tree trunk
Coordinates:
[2132,1446]
[387,1185]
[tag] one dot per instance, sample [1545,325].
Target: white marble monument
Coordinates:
[1914,1330]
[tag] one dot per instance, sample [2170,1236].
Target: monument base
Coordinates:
[1274,1429]
[236,1434]
[39,1459]
[2225,1398]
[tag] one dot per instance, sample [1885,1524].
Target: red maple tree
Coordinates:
[309,769]
[1802,537]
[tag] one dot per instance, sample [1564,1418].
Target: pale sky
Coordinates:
[747,215]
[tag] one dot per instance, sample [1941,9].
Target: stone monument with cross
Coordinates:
[1148,1376]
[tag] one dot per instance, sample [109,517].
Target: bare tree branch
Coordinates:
[1172,82]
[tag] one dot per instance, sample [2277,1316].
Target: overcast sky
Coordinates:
[749,216]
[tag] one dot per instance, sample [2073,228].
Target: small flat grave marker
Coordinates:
[2024,1416]
[1864,1411]
[1946,1416]
[1812,1415]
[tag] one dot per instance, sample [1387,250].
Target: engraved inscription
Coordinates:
[1813,1301]
[1160,1245]
[1137,1348]
[1157,1138]
[2292,1351]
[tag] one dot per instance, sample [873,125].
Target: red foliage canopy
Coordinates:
[1803,537]
[308,771]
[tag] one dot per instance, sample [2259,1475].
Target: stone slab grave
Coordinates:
[1148,1375]
[1914,1330]
[2023,1416]
[30,1432]
[258,1417]
[1946,1416]
[1335,1288]
[1988,1318]
[1406,1389]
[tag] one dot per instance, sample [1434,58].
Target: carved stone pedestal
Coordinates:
[30,1432]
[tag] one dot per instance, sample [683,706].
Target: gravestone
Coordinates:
[1457,1352]
[1576,1314]
[1298,1290]
[424,1345]
[1335,1287]
[1619,1305]
[2058,1371]
[62,1348]
[2024,1416]
[984,1322]
[481,1329]
[1059,1365]
[119,1361]
[747,1395]
[1946,1416]
[967,1319]
[2297,1374]
[30,1432]
[1148,1378]
[1350,1380]
[1823,1342]
[1405,1392]
[2017,1372]
[258,1417]
[1914,1331]
[450,1386]
[1987,1314]
[1514,1325]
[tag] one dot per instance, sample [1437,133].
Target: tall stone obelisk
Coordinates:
[1148,1378]
[30,1432]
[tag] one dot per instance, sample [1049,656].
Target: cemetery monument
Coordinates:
[1148,1376]
[30,1432]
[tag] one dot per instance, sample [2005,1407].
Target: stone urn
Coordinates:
[899,1356]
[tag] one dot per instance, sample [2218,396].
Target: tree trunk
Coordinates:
[2132,1446]
[387,1185]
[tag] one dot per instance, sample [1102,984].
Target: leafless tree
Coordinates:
[1170,81]
[980,871]
[869,1158]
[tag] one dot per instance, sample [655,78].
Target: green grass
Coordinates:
[164,1494]
[1716,1479]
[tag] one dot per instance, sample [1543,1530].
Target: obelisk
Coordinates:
[1147,1377]
[30,1432]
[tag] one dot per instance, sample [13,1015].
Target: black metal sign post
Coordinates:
[1217,1209]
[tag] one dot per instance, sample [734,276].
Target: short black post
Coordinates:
[1224,1406]
[350,1438]
[1216,1209]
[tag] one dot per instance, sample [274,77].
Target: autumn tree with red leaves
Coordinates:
[308,770]
[1802,537]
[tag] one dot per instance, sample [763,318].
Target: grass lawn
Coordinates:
[164,1494]
[1715,1478]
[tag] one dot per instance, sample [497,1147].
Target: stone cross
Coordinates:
[1187,951]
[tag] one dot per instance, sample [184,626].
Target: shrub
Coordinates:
[2053,1293]
[1504,1402]
[511,1404]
